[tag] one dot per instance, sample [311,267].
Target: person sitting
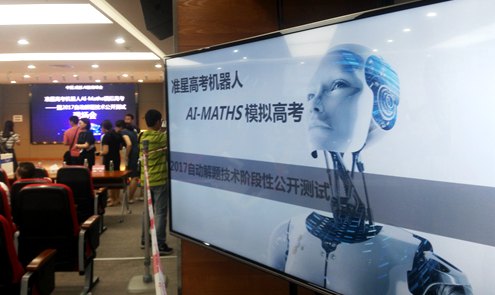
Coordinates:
[25,170]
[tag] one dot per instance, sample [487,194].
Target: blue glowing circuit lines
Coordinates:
[432,275]
[384,82]
[331,233]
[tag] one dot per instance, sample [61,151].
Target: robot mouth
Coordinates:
[320,125]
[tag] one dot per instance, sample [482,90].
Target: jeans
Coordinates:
[159,197]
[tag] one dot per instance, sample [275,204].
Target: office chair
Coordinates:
[47,219]
[37,278]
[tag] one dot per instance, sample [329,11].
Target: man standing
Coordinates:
[129,121]
[157,173]
[70,139]
[132,156]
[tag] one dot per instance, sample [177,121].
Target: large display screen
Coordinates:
[355,156]
[53,104]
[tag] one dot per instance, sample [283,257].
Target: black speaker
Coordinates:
[158,17]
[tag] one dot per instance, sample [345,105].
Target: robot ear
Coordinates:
[384,83]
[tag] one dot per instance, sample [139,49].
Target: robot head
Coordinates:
[352,94]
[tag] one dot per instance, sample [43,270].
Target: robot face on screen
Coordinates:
[351,94]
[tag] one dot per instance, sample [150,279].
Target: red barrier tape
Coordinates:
[159,279]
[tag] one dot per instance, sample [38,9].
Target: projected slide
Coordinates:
[52,105]
[353,157]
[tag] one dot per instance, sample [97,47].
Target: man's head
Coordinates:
[106,126]
[128,118]
[25,170]
[73,120]
[119,125]
[153,119]
[349,97]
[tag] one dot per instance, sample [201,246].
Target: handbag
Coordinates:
[7,163]
[67,157]
[3,145]
[3,148]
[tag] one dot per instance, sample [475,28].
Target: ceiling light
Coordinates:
[31,67]
[125,75]
[97,81]
[158,66]
[140,80]
[95,66]
[13,82]
[27,76]
[23,42]
[78,56]
[120,40]
[42,14]
[431,14]
[406,30]
[75,75]
[55,81]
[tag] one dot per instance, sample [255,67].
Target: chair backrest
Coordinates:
[40,172]
[5,208]
[47,220]
[11,270]
[79,179]
[4,177]
[17,186]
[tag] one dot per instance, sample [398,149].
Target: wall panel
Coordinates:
[206,272]
[204,23]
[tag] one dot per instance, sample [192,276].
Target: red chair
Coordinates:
[5,208]
[4,177]
[40,173]
[47,219]
[88,201]
[16,188]
[37,278]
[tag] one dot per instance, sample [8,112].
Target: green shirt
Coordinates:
[157,161]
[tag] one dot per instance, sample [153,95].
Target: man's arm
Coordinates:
[128,145]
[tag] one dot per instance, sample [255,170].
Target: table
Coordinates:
[114,179]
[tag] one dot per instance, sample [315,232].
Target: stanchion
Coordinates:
[144,283]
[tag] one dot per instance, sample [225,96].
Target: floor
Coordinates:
[120,260]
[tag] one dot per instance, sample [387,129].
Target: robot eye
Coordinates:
[311,96]
[339,84]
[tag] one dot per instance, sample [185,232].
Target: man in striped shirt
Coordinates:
[157,174]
